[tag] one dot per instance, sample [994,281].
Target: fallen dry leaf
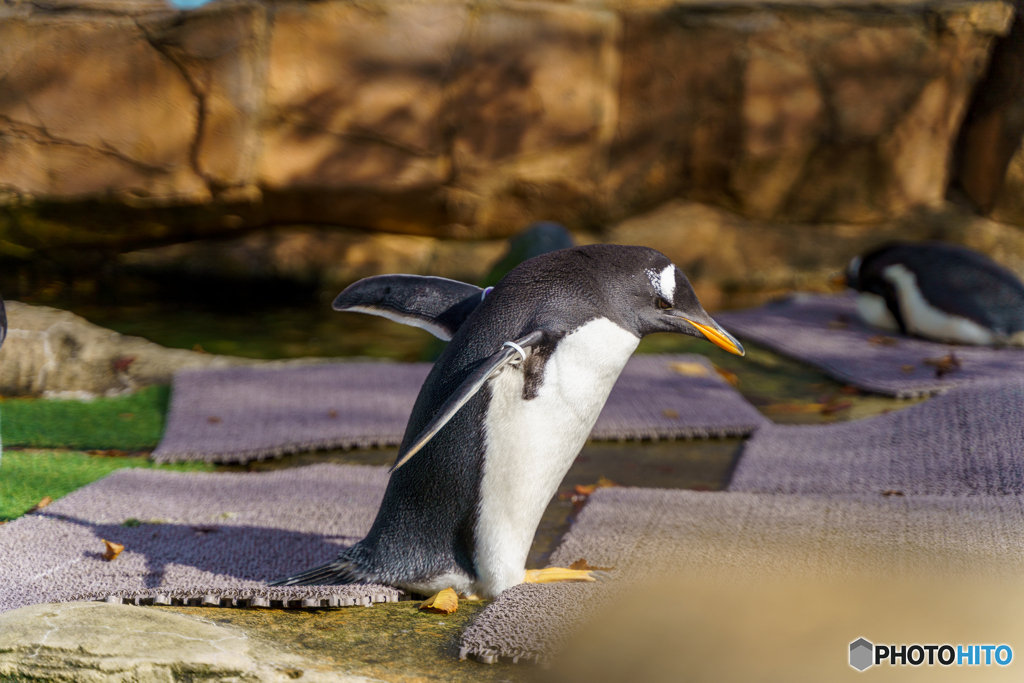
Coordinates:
[794,408]
[882,340]
[892,492]
[729,377]
[40,505]
[113,550]
[213,419]
[835,407]
[689,369]
[582,564]
[332,413]
[944,365]
[580,492]
[671,414]
[908,368]
[837,325]
[442,602]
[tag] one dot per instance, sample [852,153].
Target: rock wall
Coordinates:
[131,126]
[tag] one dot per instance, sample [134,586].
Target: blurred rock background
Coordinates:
[308,144]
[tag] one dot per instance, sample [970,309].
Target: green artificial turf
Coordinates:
[26,477]
[132,422]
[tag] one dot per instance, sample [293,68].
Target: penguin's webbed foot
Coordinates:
[559,574]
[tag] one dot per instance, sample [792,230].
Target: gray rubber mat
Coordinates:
[968,441]
[826,333]
[240,414]
[648,533]
[197,538]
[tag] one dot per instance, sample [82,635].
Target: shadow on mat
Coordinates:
[245,553]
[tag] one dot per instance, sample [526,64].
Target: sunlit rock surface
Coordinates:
[130,125]
[101,642]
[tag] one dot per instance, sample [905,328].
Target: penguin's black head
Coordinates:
[661,299]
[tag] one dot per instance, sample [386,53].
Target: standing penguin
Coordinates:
[505,409]
[939,291]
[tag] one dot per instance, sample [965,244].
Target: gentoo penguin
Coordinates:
[505,410]
[939,291]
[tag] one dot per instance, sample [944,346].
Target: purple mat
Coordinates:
[969,441]
[240,414]
[826,332]
[649,533]
[194,537]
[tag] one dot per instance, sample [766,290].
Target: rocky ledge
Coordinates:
[122,127]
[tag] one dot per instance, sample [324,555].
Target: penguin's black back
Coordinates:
[556,292]
[953,279]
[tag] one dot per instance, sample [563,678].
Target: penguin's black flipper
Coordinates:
[466,391]
[435,304]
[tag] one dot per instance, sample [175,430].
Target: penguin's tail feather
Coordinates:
[336,573]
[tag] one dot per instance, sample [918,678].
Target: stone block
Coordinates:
[532,108]
[89,108]
[355,94]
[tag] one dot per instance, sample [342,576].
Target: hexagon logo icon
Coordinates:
[861,654]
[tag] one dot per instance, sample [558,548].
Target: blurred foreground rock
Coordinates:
[132,126]
[100,642]
[59,354]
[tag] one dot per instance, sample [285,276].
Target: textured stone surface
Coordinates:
[57,353]
[989,161]
[449,119]
[100,642]
[731,261]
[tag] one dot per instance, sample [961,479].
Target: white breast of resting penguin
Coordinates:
[530,444]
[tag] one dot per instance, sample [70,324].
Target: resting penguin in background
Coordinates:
[939,291]
[505,409]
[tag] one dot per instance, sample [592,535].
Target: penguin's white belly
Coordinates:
[530,444]
[923,319]
[874,312]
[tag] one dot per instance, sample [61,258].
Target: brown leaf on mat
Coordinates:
[332,413]
[442,602]
[729,377]
[690,369]
[837,324]
[907,368]
[892,492]
[582,564]
[882,340]
[671,414]
[213,419]
[40,505]
[835,407]
[113,550]
[794,408]
[944,365]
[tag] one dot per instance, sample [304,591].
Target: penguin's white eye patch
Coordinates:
[663,281]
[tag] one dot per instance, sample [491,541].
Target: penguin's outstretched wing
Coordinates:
[465,392]
[435,304]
